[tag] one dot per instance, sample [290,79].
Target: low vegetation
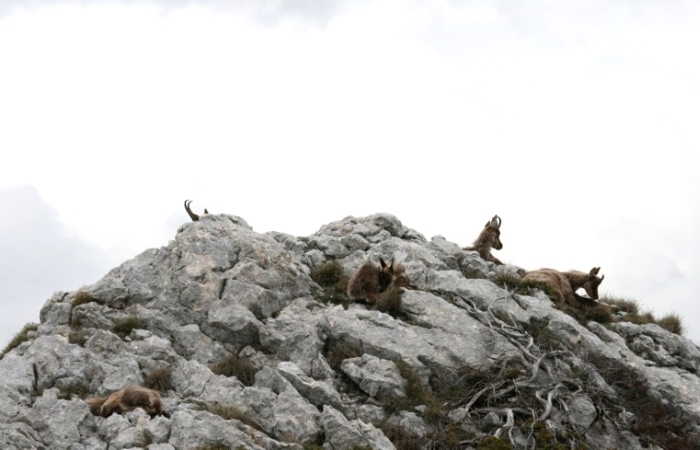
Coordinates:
[334,284]
[77,388]
[336,352]
[125,326]
[627,310]
[82,297]
[234,366]
[657,422]
[159,379]
[19,338]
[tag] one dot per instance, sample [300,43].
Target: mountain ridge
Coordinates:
[251,347]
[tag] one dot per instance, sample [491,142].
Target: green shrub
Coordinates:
[124,326]
[159,379]
[21,336]
[233,366]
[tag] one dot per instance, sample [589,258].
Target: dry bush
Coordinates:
[82,297]
[233,366]
[124,326]
[672,322]
[21,336]
[77,388]
[333,282]
[159,379]
[336,352]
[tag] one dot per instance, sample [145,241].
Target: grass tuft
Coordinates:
[159,379]
[233,366]
[77,388]
[672,322]
[82,297]
[124,326]
[21,336]
[333,282]
[336,352]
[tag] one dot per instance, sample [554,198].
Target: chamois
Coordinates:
[193,216]
[125,400]
[588,281]
[490,237]
[370,280]
[565,284]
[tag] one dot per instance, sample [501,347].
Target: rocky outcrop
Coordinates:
[251,348]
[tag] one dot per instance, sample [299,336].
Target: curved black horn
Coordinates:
[192,215]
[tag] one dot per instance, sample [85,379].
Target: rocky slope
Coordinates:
[253,345]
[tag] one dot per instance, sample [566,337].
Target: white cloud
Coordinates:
[574,122]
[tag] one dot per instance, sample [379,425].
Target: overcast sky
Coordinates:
[576,122]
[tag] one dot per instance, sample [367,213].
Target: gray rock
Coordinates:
[343,434]
[318,393]
[219,289]
[377,377]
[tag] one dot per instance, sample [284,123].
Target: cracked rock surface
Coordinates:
[251,348]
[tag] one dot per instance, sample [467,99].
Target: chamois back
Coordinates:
[565,284]
[490,237]
[125,400]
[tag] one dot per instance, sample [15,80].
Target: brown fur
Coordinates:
[193,216]
[370,280]
[490,237]
[125,400]
[565,284]
[588,281]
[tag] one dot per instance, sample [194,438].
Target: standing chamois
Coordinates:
[565,284]
[125,400]
[370,280]
[193,216]
[490,237]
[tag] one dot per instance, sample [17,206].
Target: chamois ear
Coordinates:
[205,211]
[495,222]
[392,264]
[594,271]
[382,262]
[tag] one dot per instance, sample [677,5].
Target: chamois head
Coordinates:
[370,280]
[193,216]
[492,230]
[592,282]
[490,237]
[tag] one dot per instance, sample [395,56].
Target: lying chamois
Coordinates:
[490,237]
[565,284]
[370,280]
[126,400]
[193,216]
